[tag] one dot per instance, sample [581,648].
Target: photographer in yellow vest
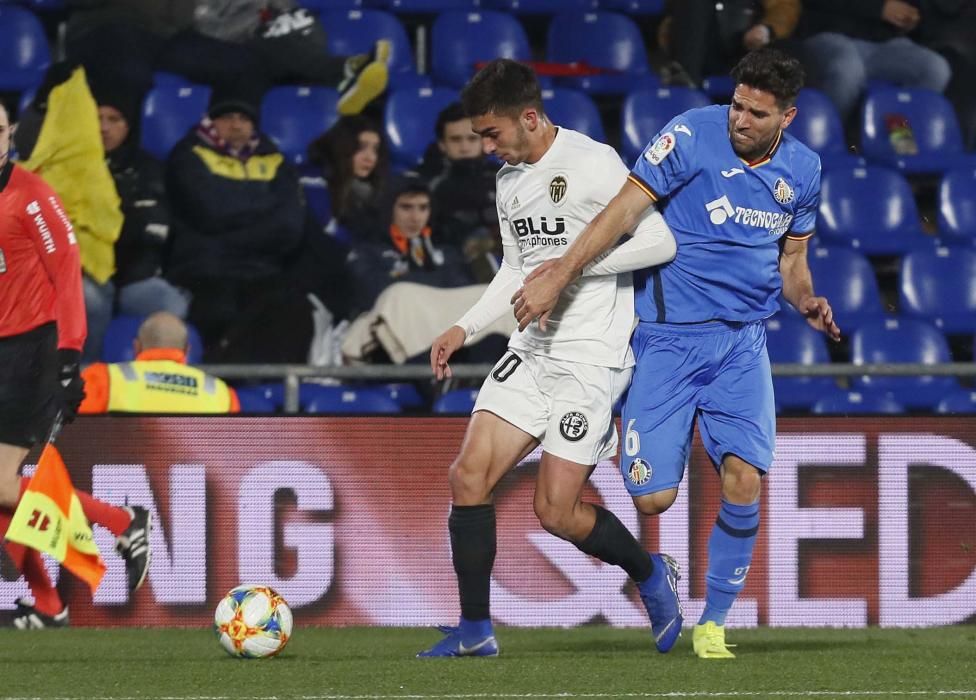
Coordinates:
[158,380]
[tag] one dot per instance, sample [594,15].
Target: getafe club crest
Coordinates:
[557,189]
[782,192]
[639,472]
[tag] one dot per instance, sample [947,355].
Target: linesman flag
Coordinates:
[49,518]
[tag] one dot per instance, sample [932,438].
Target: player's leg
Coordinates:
[507,420]
[657,420]
[738,429]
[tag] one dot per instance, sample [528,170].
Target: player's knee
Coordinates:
[469,482]
[554,519]
[741,485]
[655,503]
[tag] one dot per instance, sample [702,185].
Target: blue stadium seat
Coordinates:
[409,119]
[818,125]
[356,31]
[122,330]
[871,209]
[620,50]
[406,395]
[645,112]
[541,7]
[168,113]
[789,339]
[718,87]
[634,7]
[24,52]
[317,198]
[459,40]
[344,399]
[252,400]
[843,403]
[848,281]
[961,401]
[939,286]
[424,6]
[295,116]
[574,110]
[932,122]
[459,401]
[903,340]
[957,205]
[164,78]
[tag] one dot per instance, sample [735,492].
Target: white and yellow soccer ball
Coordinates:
[253,622]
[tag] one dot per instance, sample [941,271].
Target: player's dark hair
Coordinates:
[771,71]
[504,87]
[454,112]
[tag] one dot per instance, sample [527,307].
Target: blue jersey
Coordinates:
[727,216]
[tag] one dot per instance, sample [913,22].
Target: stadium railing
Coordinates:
[293,375]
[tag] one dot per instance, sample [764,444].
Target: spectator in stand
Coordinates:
[354,159]
[408,287]
[463,192]
[949,27]
[849,43]
[140,288]
[158,380]
[702,37]
[238,220]
[60,142]
[216,41]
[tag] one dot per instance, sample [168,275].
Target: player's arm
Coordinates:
[537,298]
[798,287]
[492,305]
[651,243]
[58,249]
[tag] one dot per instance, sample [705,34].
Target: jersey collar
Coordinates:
[172,354]
[5,172]
[769,154]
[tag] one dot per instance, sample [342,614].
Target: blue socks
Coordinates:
[729,557]
[475,630]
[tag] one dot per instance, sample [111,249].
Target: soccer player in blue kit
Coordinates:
[741,196]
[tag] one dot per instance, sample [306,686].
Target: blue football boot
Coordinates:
[467,639]
[659,593]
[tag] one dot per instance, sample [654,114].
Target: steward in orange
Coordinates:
[158,380]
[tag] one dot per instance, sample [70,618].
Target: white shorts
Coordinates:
[567,406]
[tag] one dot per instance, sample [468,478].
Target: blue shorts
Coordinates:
[716,371]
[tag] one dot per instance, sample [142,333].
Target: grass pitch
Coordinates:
[586,662]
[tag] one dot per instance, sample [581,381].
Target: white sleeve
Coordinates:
[497,299]
[651,243]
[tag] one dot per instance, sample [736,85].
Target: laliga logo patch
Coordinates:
[782,192]
[557,189]
[639,472]
[33,208]
[573,426]
[661,148]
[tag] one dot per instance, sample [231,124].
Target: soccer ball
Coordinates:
[253,622]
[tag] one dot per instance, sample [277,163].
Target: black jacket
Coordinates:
[140,248]
[860,19]
[231,218]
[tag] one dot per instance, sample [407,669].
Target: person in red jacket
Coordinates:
[42,331]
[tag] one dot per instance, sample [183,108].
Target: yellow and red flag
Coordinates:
[49,518]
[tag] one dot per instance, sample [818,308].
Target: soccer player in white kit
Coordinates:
[557,386]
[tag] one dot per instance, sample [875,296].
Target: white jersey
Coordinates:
[542,208]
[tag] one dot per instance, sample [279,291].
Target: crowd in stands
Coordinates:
[354,249]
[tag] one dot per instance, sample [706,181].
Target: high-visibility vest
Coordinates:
[165,386]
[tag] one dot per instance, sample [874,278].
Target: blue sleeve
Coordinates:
[806,210]
[670,160]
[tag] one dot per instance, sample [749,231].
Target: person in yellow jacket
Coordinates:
[158,380]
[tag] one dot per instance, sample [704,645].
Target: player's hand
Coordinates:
[757,37]
[901,14]
[539,294]
[443,347]
[819,315]
[72,386]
